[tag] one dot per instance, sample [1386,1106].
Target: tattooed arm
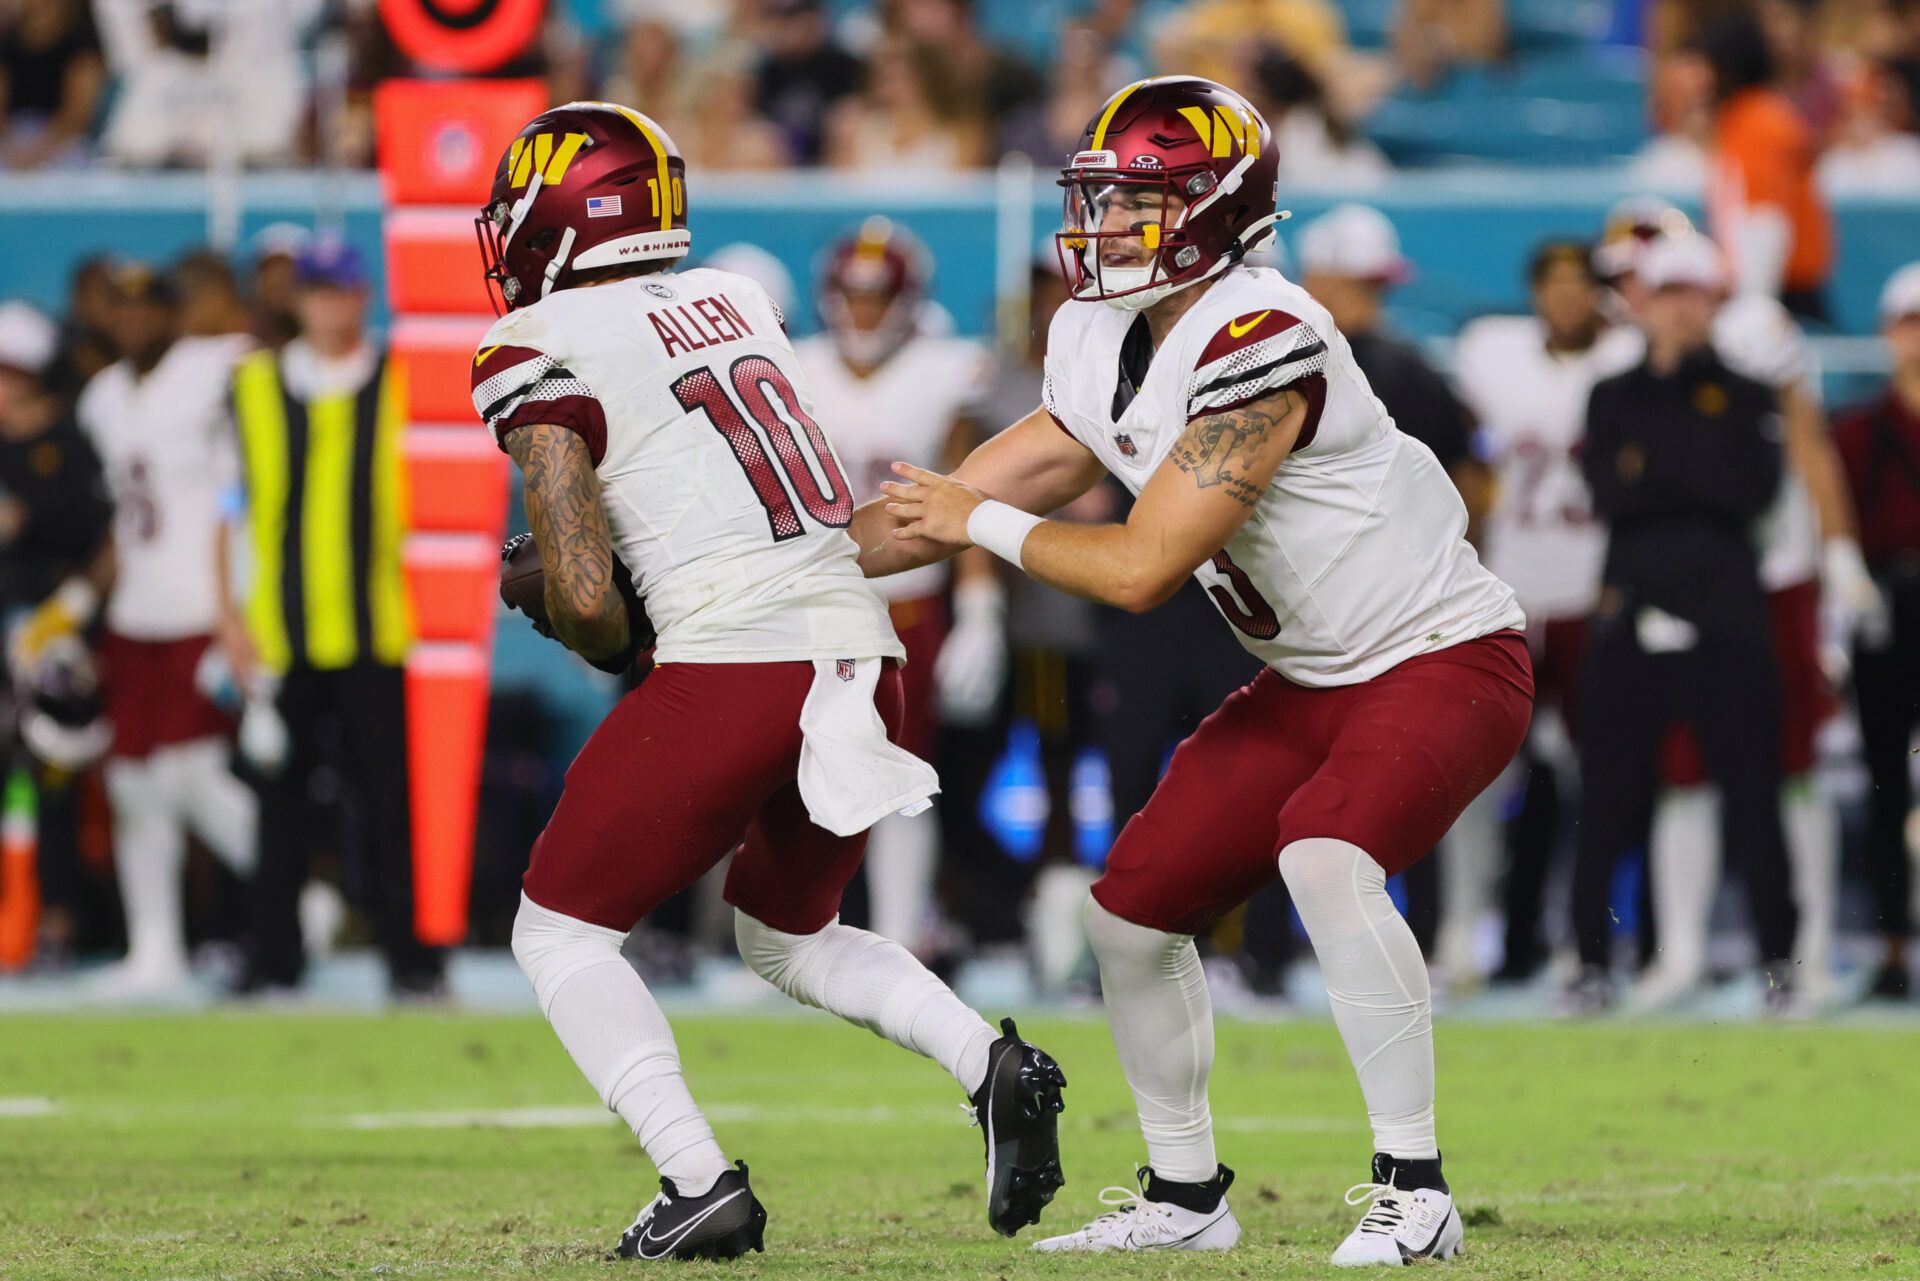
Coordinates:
[1209,484]
[576,548]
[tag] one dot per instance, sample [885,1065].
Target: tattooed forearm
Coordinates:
[576,547]
[1228,449]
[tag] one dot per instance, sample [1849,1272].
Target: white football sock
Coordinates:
[1382,1002]
[1162,1020]
[221,810]
[1683,856]
[1056,939]
[1813,847]
[874,983]
[1469,859]
[902,858]
[149,854]
[619,1039]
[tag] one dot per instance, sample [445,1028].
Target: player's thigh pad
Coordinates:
[1205,840]
[790,873]
[666,786]
[1411,747]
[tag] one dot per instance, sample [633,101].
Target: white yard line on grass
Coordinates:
[27,1106]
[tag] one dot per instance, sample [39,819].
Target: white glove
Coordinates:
[1854,607]
[973,661]
[263,734]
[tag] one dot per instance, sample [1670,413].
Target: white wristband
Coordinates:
[1001,529]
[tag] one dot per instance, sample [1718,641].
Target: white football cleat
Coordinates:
[1135,1223]
[1400,1226]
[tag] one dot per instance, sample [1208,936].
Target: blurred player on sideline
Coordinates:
[1396,684]
[662,425]
[56,563]
[1880,443]
[888,389]
[158,419]
[1527,379]
[1816,581]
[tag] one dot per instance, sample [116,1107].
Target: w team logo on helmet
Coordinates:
[1181,165]
[584,186]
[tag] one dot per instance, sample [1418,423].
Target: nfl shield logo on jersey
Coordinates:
[1125,443]
[843,668]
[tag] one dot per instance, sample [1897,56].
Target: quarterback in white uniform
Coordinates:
[1396,684]
[663,427]
[158,419]
[890,389]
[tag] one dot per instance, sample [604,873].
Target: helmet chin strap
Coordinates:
[521,208]
[558,264]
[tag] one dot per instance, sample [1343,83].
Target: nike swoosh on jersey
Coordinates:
[481,359]
[647,1238]
[1238,330]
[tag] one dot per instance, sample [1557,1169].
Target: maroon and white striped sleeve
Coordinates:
[517,386]
[1253,356]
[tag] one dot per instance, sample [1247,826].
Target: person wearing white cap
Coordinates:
[1350,257]
[1879,443]
[55,563]
[1819,595]
[1683,456]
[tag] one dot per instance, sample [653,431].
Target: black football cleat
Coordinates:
[724,1223]
[1015,1108]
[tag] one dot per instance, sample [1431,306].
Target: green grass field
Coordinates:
[260,1145]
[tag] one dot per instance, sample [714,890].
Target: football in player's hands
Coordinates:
[523,581]
[523,586]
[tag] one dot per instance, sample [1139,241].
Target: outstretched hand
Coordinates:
[928,505]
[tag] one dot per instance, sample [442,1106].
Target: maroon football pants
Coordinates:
[700,758]
[1387,765]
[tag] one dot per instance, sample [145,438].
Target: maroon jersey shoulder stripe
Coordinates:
[497,359]
[1245,331]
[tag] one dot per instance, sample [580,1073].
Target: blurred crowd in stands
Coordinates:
[938,84]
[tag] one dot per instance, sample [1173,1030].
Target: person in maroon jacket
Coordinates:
[1880,444]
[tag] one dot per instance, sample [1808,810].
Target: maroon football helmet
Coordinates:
[1185,165]
[583,186]
[872,286]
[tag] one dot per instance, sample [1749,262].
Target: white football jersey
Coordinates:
[167,443]
[1541,536]
[1356,557]
[725,499]
[905,410]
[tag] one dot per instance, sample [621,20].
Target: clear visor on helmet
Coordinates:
[1112,232]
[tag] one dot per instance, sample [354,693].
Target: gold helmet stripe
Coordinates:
[1106,117]
[660,154]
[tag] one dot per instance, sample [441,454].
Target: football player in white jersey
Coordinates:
[158,419]
[662,426]
[1527,379]
[1397,684]
[1810,565]
[890,390]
